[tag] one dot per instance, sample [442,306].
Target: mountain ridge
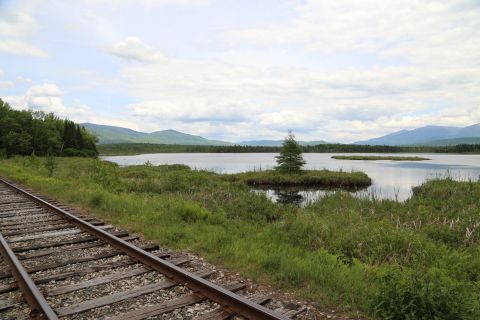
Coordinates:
[423,135]
[113,134]
[427,135]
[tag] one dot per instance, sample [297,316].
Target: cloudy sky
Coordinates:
[245,69]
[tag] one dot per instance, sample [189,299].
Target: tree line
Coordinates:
[138,148]
[337,147]
[25,132]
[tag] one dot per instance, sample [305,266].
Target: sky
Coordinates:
[235,70]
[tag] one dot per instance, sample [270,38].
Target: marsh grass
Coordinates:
[306,178]
[419,259]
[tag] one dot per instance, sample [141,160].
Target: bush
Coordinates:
[71,152]
[423,295]
[190,212]
[50,164]
[105,173]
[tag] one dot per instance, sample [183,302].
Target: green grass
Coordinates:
[374,158]
[306,178]
[379,258]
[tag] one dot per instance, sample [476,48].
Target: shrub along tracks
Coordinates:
[56,264]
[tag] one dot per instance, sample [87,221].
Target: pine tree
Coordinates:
[79,137]
[290,159]
[69,134]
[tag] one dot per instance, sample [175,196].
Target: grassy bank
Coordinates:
[306,178]
[414,260]
[374,158]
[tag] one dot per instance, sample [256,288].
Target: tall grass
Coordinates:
[306,178]
[414,260]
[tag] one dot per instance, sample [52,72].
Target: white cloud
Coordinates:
[16,27]
[152,3]
[18,47]
[45,90]
[14,24]
[421,31]
[47,97]
[7,84]
[133,49]
[22,80]
[215,98]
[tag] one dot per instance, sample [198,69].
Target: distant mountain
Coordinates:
[277,143]
[451,142]
[425,135]
[111,134]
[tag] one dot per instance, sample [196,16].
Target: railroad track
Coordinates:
[58,264]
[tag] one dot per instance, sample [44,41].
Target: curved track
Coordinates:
[56,264]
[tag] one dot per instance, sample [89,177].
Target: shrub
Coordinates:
[105,173]
[50,163]
[190,212]
[423,295]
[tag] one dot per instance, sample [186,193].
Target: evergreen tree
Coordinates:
[79,137]
[24,132]
[69,135]
[290,159]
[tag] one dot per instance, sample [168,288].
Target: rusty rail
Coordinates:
[40,309]
[224,297]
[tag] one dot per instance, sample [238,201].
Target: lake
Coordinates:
[391,179]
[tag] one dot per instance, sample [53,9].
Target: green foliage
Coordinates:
[290,159]
[190,212]
[142,148]
[24,132]
[105,173]
[305,178]
[384,259]
[50,163]
[424,295]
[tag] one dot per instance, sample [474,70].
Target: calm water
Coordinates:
[391,179]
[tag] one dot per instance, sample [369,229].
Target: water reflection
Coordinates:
[301,197]
[289,196]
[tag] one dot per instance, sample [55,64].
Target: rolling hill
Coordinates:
[426,136]
[452,142]
[112,134]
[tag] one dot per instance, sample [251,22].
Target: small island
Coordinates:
[374,158]
[324,179]
[289,173]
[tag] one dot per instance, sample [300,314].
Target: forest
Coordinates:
[139,148]
[25,132]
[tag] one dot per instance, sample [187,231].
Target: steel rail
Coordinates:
[224,297]
[40,309]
